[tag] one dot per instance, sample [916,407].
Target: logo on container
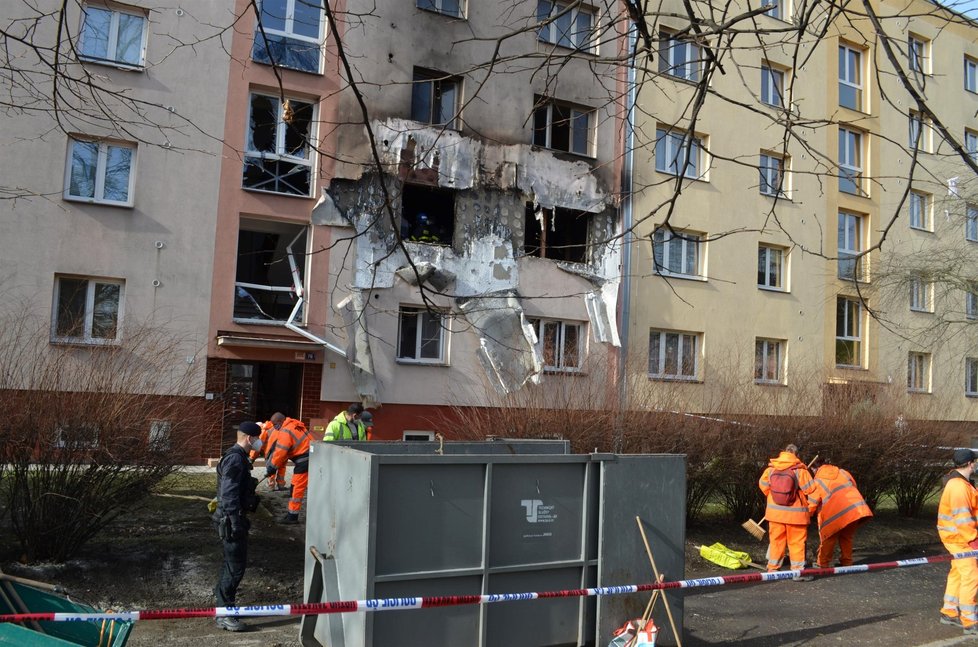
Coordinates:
[536,512]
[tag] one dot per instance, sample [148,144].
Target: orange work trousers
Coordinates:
[299,483]
[791,535]
[844,539]
[962,587]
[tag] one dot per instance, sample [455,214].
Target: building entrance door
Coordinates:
[256,390]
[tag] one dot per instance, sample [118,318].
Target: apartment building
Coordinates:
[821,241]
[110,181]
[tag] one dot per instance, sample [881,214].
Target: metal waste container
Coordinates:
[390,524]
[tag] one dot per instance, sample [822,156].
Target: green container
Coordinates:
[58,634]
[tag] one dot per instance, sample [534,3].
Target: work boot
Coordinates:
[230,623]
[971,631]
[289,518]
[802,578]
[950,620]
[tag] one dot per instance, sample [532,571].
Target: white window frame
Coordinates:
[290,33]
[921,294]
[971,304]
[851,329]
[777,8]
[160,435]
[764,255]
[113,38]
[443,329]
[280,153]
[548,30]
[683,341]
[86,337]
[971,377]
[438,6]
[851,245]
[971,143]
[100,170]
[689,246]
[918,54]
[576,112]
[920,205]
[971,223]
[560,357]
[850,68]
[691,66]
[674,147]
[763,349]
[918,123]
[970,74]
[918,372]
[851,144]
[437,81]
[773,85]
[770,172]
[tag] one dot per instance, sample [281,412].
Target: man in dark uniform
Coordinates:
[235,498]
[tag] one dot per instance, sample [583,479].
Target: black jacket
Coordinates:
[235,485]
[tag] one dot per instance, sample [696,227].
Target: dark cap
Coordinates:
[250,428]
[367,417]
[962,457]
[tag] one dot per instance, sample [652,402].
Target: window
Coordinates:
[921,294]
[971,224]
[290,34]
[971,302]
[919,132]
[850,246]
[971,376]
[270,272]
[770,267]
[111,36]
[676,253]
[971,143]
[850,77]
[160,433]
[920,211]
[918,372]
[772,86]
[673,355]
[970,74]
[447,7]
[848,332]
[434,98]
[568,25]
[775,10]
[427,214]
[87,310]
[850,161]
[278,155]
[421,336]
[100,171]
[773,176]
[768,361]
[561,343]
[918,55]
[678,153]
[562,126]
[679,58]
[559,234]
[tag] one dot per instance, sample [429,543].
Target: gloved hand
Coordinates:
[973,544]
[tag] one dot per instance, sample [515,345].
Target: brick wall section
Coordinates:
[312,383]
[213,436]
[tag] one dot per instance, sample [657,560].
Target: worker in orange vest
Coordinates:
[268,429]
[367,421]
[841,510]
[959,533]
[787,483]
[291,442]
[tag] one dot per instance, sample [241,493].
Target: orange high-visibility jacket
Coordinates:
[290,442]
[267,434]
[956,522]
[798,512]
[841,503]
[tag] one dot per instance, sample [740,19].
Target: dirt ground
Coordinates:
[166,555]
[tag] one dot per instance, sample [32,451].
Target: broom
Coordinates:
[754,527]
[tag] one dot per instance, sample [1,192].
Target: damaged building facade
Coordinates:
[462,242]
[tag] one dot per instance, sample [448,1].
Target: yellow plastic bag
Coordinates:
[726,557]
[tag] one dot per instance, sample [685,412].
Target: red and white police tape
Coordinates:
[395,604]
